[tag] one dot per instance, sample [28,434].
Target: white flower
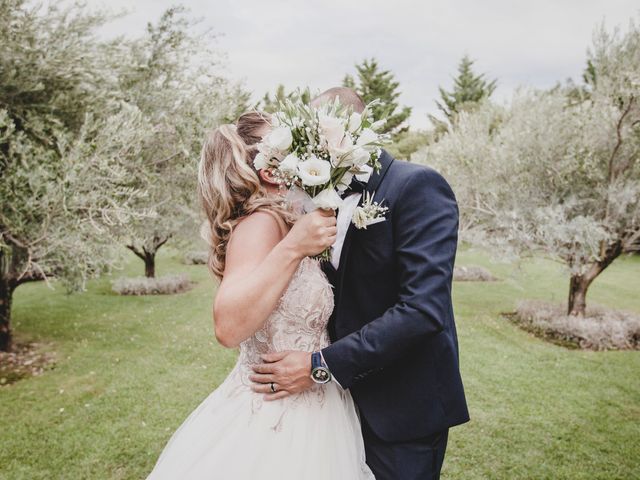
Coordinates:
[367,138]
[359,218]
[369,212]
[344,182]
[275,119]
[328,198]
[338,151]
[355,120]
[332,129]
[279,138]
[260,161]
[358,157]
[378,125]
[289,164]
[314,171]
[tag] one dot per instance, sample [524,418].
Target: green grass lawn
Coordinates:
[131,369]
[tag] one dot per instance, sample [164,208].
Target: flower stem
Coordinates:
[325,255]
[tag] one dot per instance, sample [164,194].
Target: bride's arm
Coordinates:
[259,265]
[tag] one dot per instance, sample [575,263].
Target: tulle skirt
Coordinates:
[234,434]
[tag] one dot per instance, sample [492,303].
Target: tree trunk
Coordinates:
[15,269]
[150,265]
[6,295]
[10,261]
[147,252]
[579,284]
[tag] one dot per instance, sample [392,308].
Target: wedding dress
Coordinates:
[235,435]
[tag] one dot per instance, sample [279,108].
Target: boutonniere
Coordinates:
[369,212]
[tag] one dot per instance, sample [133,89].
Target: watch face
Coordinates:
[320,375]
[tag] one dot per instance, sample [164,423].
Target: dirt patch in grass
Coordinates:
[27,359]
[600,329]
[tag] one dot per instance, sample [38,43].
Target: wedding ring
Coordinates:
[273,387]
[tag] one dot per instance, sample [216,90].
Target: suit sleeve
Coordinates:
[425,223]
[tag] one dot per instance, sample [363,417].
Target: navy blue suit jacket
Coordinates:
[394,342]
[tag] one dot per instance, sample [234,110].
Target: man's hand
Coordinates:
[289,371]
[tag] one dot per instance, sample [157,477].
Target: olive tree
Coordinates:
[172,78]
[555,172]
[66,140]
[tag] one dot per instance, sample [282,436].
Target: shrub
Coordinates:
[196,258]
[152,286]
[472,274]
[600,329]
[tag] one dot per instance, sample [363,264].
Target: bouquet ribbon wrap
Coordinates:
[300,201]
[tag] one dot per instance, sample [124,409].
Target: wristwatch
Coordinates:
[319,371]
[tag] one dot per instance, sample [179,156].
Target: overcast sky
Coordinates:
[314,43]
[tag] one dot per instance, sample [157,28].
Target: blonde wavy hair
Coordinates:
[229,187]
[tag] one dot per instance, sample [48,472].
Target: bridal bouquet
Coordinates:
[316,152]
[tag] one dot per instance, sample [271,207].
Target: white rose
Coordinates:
[367,138]
[279,138]
[355,120]
[260,161]
[314,171]
[328,198]
[289,164]
[332,129]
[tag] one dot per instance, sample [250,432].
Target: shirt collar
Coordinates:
[366,175]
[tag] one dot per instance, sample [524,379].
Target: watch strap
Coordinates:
[319,371]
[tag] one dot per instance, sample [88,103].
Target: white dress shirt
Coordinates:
[345,214]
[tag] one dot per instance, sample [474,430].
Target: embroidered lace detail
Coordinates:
[299,322]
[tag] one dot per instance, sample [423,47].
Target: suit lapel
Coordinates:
[376,177]
[372,184]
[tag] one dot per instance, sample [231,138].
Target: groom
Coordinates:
[394,342]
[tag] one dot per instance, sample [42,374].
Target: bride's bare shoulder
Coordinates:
[261,228]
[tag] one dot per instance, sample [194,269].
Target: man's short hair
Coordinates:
[347,96]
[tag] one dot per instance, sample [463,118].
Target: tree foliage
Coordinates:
[271,104]
[64,158]
[555,173]
[173,79]
[66,141]
[469,89]
[374,83]
[407,143]
[99,139]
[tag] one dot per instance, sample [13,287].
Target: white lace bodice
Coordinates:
[299,321]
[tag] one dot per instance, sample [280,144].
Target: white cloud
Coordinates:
[302,43]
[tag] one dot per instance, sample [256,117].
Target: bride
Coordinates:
[272,297]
